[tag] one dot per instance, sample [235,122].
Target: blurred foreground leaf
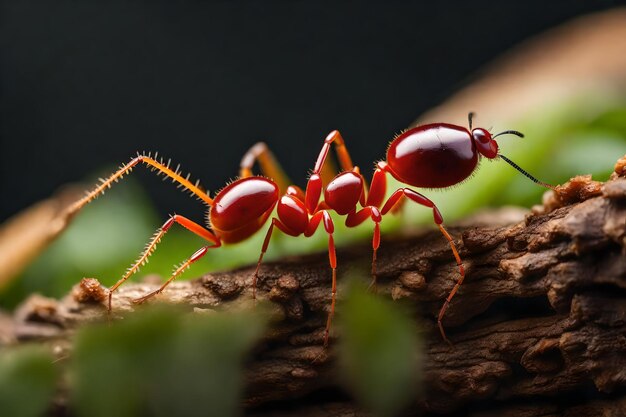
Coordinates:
[160,362]
[27,382]
[380,352]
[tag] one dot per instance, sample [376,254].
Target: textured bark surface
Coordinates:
[539,327]
[615,408]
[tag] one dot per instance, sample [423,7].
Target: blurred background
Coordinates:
[84,86]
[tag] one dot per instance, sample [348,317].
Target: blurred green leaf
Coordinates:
[114,364]
[614,119]
[205,375]
[27,382]
[380,352]
[160,362]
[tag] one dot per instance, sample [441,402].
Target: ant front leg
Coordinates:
[422,200]
[190,225]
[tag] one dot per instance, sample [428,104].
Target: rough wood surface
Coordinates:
[542,313]
[594,408]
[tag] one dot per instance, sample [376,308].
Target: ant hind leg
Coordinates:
[152,244]
[155,164]
[418,198]
[179,270]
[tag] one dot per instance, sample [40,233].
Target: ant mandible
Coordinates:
[436,155]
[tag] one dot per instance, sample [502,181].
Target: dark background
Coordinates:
[84,86]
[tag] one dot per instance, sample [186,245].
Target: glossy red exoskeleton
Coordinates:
[436,155]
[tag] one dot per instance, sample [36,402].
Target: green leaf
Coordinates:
[205,375]
[380,352]
[160,362]
[114,365]
[27,382]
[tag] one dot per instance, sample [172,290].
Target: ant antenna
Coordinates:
[509,132]
[470,116]
[533,179]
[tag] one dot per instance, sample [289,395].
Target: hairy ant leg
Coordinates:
[424,201]
[179,270]
[156,165]
[175,175]
[190,225]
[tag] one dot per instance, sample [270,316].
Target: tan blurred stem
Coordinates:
[24,236]
[585,56]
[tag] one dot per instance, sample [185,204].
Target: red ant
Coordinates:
[436,155]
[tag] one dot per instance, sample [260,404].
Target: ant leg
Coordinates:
[267,162]
[356,218]
[151,246]
[292,220]
[378,187]
[275,222]
[422,200]
[179,270]
[332,258]
[456,287]
[315,184]
[343,155]
[158,165]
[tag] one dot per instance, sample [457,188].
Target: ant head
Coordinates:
[485,143]
[488,147]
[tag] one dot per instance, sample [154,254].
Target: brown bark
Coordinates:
[540,316]
[615,408]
